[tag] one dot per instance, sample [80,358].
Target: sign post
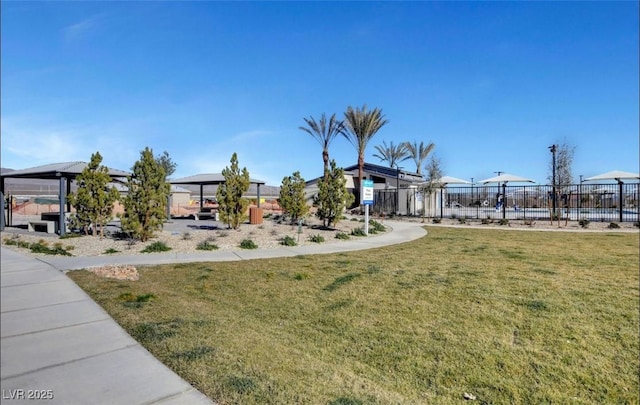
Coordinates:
[367,200]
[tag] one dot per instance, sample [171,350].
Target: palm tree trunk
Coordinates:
[325,158]
[360,176]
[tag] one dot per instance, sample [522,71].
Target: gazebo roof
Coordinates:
[207,179]
[57,170]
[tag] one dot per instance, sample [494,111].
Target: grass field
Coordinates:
[511,317]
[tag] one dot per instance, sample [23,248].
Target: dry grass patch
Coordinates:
[509,317]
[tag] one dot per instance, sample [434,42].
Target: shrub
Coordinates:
[342,236]
[110,251]
[377,226]
[156,247]
[358,232]
[301,276]
[248,244]
[187,236]
[584,223]
[223,234]
[636,224]
[462,220]
[504,221]
[316,238]
[205,245]
[41,247]
[613,225]
[436,220]
[486,221]
[288,241]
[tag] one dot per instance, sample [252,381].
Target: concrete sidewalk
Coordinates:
[59,345]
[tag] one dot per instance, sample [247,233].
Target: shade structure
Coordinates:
[57,170]
[506,178]
[65,172]
[444,180]
[617,175]
[204,179]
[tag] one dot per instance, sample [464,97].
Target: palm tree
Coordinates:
[392,154]
[360,125]
[419,153]
[324,133]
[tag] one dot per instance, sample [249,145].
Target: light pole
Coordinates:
[552,148]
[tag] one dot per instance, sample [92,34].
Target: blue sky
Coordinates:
[492,84]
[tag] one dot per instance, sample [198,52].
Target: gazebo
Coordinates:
[63,172]
[208,179]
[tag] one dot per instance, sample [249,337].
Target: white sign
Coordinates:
[367,192]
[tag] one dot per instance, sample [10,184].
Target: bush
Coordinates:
[156,247]
[584,223]
[358,232]
[377,226]
[613,225]
[504,221]
[288,241]
[316,238]
[248,244]
[436,220]
[462,220]
[41,247]
[110,251]
[187,236]
[486,221]
[342,236]
[205,245]
[636,224]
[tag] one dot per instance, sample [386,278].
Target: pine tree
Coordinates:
[167,163]
[292,197]
[146,202]
[93,200]
[231,204]
[332,197]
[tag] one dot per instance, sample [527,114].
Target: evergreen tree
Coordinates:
[146,202]
[167,163]
[333,196]
[231,204]
[292,197]
[93,200]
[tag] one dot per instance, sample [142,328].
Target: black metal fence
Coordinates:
[595,202]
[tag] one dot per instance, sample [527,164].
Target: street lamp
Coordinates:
[552,148]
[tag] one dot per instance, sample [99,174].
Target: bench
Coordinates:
[205,215]
[50,225]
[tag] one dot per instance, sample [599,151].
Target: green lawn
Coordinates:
[512,317]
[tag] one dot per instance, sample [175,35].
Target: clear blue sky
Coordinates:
[492,84]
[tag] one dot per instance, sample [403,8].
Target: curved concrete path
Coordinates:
[59,344]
